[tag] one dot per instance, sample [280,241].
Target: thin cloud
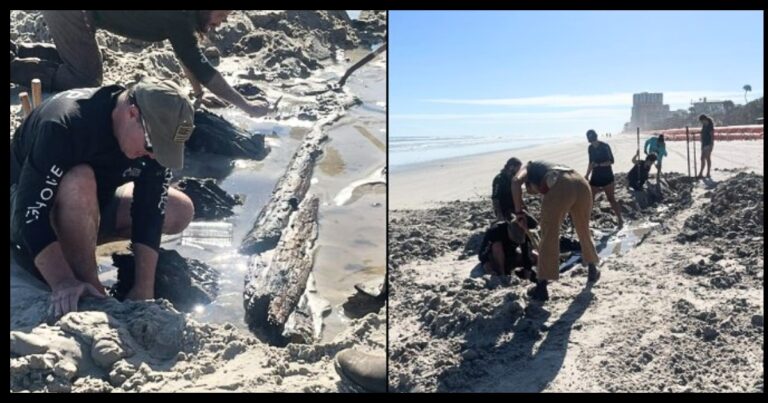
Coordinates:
[589,113]
[676,99]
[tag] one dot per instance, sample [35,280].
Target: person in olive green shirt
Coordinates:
[76,61]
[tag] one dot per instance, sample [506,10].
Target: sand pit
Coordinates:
[679,310]
[150,346]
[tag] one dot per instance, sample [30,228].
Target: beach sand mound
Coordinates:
[283,44]
[149,346]
[665,316]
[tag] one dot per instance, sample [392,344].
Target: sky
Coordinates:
[548,73]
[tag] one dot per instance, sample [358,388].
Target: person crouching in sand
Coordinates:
[564,192]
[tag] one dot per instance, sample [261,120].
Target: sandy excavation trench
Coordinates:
[144,346]
[680,311]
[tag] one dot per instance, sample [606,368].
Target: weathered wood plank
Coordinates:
[274,286]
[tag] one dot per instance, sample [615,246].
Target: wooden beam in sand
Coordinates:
[688,151]
[25,105]
[290,190]
[37,92]
[273,287]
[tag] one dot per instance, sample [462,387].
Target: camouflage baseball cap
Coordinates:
[168,118]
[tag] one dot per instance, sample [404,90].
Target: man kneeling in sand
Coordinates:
[564,192]
[498,248]
[92,165]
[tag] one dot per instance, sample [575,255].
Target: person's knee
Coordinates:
[179,215]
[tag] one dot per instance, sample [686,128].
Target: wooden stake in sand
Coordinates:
[37,92]
[25,105]
[688,151]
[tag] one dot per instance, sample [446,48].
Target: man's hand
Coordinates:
[66,294]
[257,108]
[521,220]
[208,100]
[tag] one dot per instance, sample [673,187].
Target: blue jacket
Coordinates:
[652,146]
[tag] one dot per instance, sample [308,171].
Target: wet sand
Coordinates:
[148,345]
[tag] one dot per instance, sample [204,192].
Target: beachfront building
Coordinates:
[712,107]
[648,111]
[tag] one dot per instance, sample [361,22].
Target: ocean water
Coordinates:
[408,150]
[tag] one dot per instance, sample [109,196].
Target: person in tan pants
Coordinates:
[564,191]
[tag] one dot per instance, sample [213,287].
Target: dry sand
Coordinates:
[421,185]
[680,311]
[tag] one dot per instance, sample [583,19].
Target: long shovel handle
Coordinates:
[361,62]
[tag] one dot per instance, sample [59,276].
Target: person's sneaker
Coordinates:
[538,292]
[593,274]
[365,371]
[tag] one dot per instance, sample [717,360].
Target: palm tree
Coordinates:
[747,88]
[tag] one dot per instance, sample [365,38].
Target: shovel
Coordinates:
[343,80]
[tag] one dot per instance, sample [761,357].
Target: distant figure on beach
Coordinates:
[656,145]
[707,143]
[90,166]
[500,242]
[640,170]
[600,172]
[564,192]
[76,61]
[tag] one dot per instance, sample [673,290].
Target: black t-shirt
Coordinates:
[638,175]
[75,127]
[536,171]
[600,154]
[178,26]
[502,191]
[707,135]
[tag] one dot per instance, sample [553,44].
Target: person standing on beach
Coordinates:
[93,165]
[600,161]
[564,192]
[76,61]
[656,145]
[707,143]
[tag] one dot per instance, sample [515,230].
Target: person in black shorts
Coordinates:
[638,175]
[707,143]
[601,179]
